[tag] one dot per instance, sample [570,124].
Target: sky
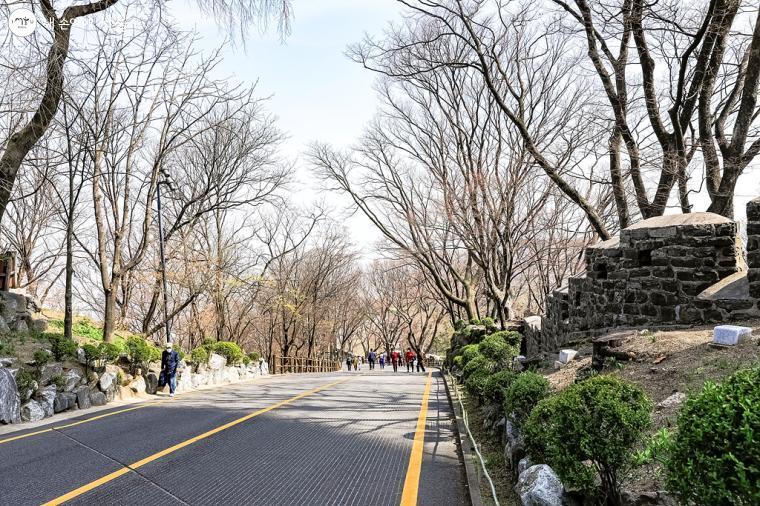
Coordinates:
[317,93]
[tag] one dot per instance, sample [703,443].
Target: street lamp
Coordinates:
[165,179]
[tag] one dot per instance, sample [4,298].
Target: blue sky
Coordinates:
[317,93]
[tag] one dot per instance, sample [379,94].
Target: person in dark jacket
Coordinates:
[169,362]
[371,359]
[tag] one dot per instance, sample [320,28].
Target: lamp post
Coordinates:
[165,181]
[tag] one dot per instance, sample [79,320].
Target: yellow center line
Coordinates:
[412,481]
[124,470]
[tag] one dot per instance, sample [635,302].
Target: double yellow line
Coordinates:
[124,470]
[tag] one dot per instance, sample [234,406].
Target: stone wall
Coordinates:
[670,270]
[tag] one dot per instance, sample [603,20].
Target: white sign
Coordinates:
[22,22]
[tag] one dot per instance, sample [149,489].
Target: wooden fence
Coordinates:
[282,365]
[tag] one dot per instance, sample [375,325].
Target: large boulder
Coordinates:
[138,385]
[83,397]
[199,379]
[39,324]
[98,398]
[10,402]
[65,401]
[151,383]
[71,379]
[125,393]
[49,371]
[32,412]
[539,486]
[216,362]
[4,328]
[45,396]
[185,381]
[107,381]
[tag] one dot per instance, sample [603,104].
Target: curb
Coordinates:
[468,456]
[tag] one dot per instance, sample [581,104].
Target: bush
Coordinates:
[42,357]
[476,382]
[83,327]
[109,352]
[255,356]
[510,337]
[523,394]
[141,352]
[495,348]
[496,385]
[715,452]
[62,347]
[230,351]
[590,426]
[199,355]
[468,353]
[24,383]
[477,363]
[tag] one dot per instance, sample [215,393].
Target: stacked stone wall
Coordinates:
[653,275]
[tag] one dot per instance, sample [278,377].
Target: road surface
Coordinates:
[339,438]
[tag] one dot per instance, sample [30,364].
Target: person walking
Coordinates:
[356,363]
[348,363]
[395,359]
[419,364]
[382,361]
[409,357]
[371,359]
[169,362]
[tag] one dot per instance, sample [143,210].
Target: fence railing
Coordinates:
[282,365]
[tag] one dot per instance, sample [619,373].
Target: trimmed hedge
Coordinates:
[496,386]
[522,395]
[715,453]
[590,429]
[495,348]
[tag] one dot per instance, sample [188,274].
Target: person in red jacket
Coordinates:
[395,359]
[409,357]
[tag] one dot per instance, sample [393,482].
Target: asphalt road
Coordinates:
[339,438]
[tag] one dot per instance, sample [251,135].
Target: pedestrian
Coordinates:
[371,359]
[169,362]
[356,363]
[409,357]
[348,363]
[382,361]
[419,364]
[395,359]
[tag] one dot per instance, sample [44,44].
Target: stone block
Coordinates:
[730,335]
[98,398]
[540,485]
[32,411]
[567,355]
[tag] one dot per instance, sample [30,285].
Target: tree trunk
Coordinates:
[109,315]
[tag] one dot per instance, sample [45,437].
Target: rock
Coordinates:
[151,383]
[125,393]
[264,366]
[107,381]
[32,411]
[92,378]
[114,369]
[97,398]
[730,335]
[71,379]
[39,324]
[46,398]
[83,397]
[185,381]
[10,402]
[216,362]
[539,486]
[21,326]
[81,356]
[49,371]
[137,385]
[566,356]
[523,465]
[4,328]
[65,401]
[7,361]
[514,449]
[199,379]
[674,400]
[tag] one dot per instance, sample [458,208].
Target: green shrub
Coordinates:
[590,427]
[255,356]
[199,355]
[715,452]
[496,385]
[42,357]
[120,378]
[510,337]
[83,327]
[109,352]
[24,383]
[229,350]
[58,381]
[523,394]
[477,363]
[476,382]
[209,342]
[91,355]
[495,348]
[62,347]
[468,353]
[141,352]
